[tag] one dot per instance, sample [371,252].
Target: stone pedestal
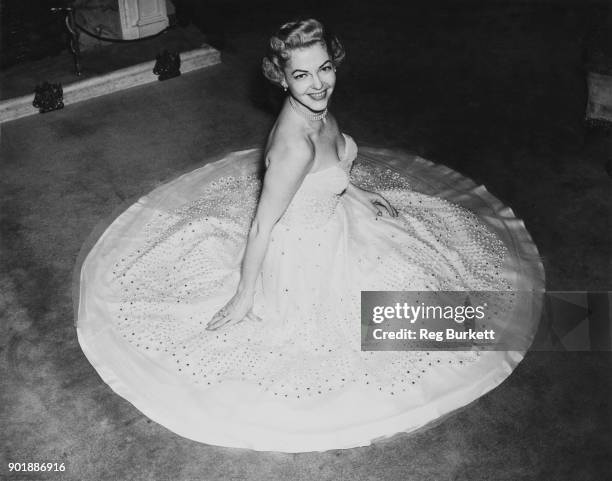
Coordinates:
[141,18]
[120,19]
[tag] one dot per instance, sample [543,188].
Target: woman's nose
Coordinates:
[316,82]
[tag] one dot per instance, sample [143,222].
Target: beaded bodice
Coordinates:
[316,199]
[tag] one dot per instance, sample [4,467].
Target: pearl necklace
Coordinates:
[301,110]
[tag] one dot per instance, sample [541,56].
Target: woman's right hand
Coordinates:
[237,309]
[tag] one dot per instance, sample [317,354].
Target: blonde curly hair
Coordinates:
[293,35]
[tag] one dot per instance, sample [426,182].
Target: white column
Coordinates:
[141,18]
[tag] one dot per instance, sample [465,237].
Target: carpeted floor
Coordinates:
[494,90]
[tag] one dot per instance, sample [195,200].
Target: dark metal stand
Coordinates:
[71,25]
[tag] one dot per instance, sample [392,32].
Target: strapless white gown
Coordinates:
[297,381]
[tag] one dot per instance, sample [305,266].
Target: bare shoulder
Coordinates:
[288,150]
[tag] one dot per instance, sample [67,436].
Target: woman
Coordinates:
[305,138]
[165,290]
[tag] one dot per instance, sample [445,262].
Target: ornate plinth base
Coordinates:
[139,74]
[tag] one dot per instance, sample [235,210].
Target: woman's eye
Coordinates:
[327,68]
[300,76]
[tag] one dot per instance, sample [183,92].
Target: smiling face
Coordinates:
[310,76]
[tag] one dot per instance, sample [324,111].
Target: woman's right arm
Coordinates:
[283,178]
[284,175]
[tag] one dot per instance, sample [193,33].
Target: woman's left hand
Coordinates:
[237,309]
[376,201]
